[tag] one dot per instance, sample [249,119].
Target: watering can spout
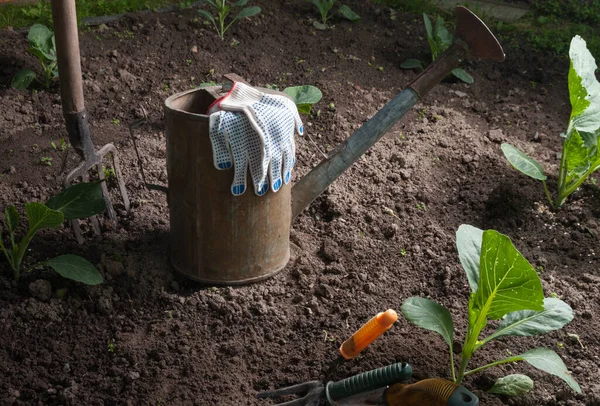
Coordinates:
[480,41]
[473,40]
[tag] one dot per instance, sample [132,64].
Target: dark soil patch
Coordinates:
[148,336]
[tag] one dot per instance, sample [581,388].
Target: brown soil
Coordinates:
[148,336]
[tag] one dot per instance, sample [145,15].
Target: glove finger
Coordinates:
[238,187]
[288,163]
[258,171]
[258,157]
[239,148]
[218,139]
[255,121]
[275,171]
[257,150]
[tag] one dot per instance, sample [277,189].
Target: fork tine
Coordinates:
[311,401]
[299,389]
[109,207]
[309,393]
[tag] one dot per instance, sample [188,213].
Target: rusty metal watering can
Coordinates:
[218,238]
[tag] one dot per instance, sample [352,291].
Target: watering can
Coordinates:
[218,238]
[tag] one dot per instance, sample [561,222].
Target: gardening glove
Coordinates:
[248,127]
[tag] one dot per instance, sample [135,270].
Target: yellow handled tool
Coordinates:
[430,392]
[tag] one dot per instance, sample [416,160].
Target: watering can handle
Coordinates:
[132,127]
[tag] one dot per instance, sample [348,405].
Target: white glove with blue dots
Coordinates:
[251,128]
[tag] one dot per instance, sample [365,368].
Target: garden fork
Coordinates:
[75,114]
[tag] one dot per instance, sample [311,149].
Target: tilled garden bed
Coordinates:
[148,336]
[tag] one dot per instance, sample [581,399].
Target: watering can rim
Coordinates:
[169,104]
[202,117]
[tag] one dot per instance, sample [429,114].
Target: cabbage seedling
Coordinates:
[439,39]
[325,6]
[223,9]
[42,45]
[78,201]
[504,286]
[304,96]
[580,154]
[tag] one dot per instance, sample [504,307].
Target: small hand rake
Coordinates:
[311,392]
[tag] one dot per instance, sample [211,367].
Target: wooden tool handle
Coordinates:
[68,57]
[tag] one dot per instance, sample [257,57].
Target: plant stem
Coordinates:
[452,364]
[46,74]
[222,24]
[12,240]
[18,258]
[563,194]
[222,15]
[10,260]
[471,345]
[548,195]
[464,360]
[226,28]
[493,364]
[562,176]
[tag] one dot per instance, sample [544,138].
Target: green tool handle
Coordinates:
[367,381]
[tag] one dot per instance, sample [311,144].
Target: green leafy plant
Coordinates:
[324,7]
[42,45]
[186,4]
[46,160]
[78,201]
[222,10]
[580,155]
[504,286]
[109,173]
[304,96]
[62,144]
[207,84]
[439,39]
[38,12]
[586,11]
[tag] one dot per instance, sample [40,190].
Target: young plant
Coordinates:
[222,10]
[46,160]
[324,7]
[109,173]
[439,39]
[62,144]
[42,45]
[581,153]
[504,286]
[78,201]
[304,96]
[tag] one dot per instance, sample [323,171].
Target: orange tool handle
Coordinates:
[368,333]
